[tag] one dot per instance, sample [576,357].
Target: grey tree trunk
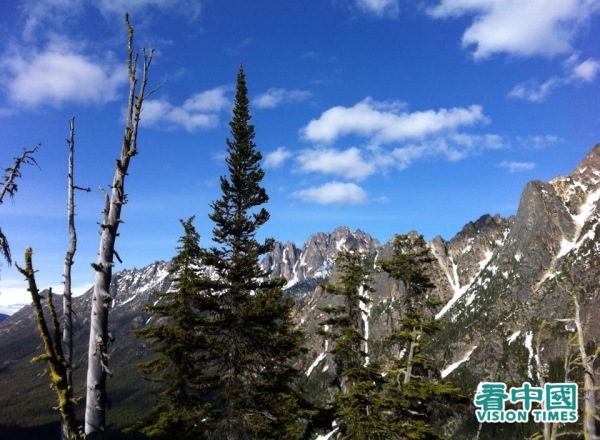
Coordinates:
[589,392]
[67,310]
[409,358]
[95,411]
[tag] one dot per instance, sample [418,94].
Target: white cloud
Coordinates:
[538,142]
[515,167]
[379,8]
[201,110]
[59,75]
[14,294]
[385,122]
[524,28]
[208,101]
[333,193]
[348,163]
[276,158]
[275,97]
[42,14]
[532,91]
[574,72]
[587,70]
[454,147]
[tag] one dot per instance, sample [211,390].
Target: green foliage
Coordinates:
[408,264]
[413,386]
[344,324]
[358,407]
[228,343]
[175,341]
[249,338]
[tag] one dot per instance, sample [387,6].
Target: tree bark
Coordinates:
[67,310]
[589,393]
[53,353]
[95,412]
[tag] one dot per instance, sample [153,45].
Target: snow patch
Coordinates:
[315,363]
[365,314]
[450,368]
[127,301]
[460,291]
[529,346]
[328,435]
[486,259]
[513,337]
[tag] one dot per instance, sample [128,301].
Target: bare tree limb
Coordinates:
[9,186]
[96,399]
[52,350]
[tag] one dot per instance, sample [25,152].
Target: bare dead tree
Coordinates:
[589,389]
[53,351]
[67,309]
[590,410]
[95,411]
[9,186]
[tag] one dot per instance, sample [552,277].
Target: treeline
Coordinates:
[225,346]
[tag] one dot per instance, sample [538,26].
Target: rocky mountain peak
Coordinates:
[316,257]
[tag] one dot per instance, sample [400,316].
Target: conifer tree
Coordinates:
[248,339]
[360,407]
[344,324]
[413,388]
[408,265]
[175,339]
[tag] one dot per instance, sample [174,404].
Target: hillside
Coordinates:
[499,279]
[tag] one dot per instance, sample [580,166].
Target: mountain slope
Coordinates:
[499,280]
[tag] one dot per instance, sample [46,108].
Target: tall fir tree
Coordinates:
[413,388]
[175,340]
[250,341]
[359,407]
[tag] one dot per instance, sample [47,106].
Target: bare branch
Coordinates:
[11,174]
[52,350]
[10,187]
[96,399]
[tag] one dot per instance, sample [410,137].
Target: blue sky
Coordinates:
[382,115]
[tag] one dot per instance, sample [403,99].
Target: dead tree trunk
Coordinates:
[53,352]
[67,310]
[589,389]
[95,411]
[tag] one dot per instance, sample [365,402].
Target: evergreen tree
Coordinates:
[249,338]
[413,388]
[360,407]
[344,324]
[175,340]
[408,266]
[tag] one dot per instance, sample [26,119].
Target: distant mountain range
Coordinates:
[499,279]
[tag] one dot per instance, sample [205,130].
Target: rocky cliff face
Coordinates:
[499,280]
[316,258]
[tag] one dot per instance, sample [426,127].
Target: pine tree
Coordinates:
[175,341]
[408,265]
[413,388]
[249,338]
[344,324]
[359,408]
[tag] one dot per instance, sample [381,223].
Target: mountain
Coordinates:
[3,317]
[499,280]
